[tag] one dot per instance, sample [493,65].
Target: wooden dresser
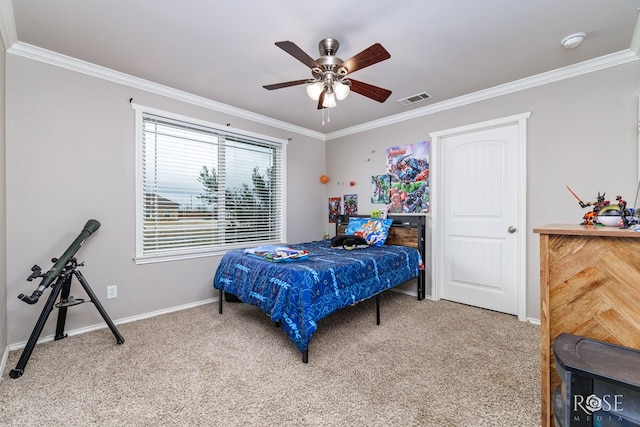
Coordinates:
[589,286]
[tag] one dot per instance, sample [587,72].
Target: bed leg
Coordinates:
[377,309]
[221,296]
[305,356]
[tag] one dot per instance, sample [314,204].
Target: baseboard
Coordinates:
[3,361]
[79,331]
[533,321]
[21,345]
[410,293]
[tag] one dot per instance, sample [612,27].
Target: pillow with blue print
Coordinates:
[374,230]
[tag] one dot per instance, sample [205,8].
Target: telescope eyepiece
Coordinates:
[31,299]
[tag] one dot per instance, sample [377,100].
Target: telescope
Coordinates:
[59,277]
[89,228]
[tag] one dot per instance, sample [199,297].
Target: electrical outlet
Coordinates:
[112,291]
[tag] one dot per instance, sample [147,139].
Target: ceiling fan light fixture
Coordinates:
[341,90]
[314,90]
[329,100]
[330,82]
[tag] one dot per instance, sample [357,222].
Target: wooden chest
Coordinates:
[589,286]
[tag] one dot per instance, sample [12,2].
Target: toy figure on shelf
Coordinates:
[627,215]
[590,217]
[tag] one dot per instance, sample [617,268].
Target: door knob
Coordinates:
[511,229]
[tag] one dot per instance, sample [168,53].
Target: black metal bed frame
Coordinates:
[400,220]
[417,222]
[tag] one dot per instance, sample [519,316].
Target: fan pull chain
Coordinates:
[328,116]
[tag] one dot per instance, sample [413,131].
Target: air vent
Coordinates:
[414,98]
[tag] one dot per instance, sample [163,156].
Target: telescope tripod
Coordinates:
[62,287]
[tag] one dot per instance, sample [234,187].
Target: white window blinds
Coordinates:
[205,188]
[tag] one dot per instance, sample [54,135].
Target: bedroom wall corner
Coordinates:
[306,205]
[3,211]
[351,164]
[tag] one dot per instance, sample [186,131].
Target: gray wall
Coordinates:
[70,157]
[583,132]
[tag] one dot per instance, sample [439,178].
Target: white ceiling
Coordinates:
[224,50]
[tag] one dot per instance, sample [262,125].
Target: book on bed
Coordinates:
[274,253]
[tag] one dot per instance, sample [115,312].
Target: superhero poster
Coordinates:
[334,208]
[408,166]
[380,186]
[350,204]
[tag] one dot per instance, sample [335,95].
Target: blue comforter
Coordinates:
[300,293]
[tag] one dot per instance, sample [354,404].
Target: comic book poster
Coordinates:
[380,186]
[408,166]
[334,208]
[350,204]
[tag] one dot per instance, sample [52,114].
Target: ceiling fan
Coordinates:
[331,79]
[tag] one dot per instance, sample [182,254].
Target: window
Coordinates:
[202,187]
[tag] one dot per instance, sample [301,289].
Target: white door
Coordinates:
[480,217]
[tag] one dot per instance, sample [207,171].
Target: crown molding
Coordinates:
[7,24]
[585,67]
[73,64]
[635,39]
[53,58]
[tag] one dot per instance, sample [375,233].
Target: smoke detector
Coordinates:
[573,40]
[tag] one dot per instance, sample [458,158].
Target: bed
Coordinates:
[298,294]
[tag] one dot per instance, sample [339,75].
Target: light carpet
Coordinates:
[427,364]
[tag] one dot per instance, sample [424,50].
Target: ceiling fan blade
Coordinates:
[370,91]
[292,49]
[321,100]
[285,84]
[371,55]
